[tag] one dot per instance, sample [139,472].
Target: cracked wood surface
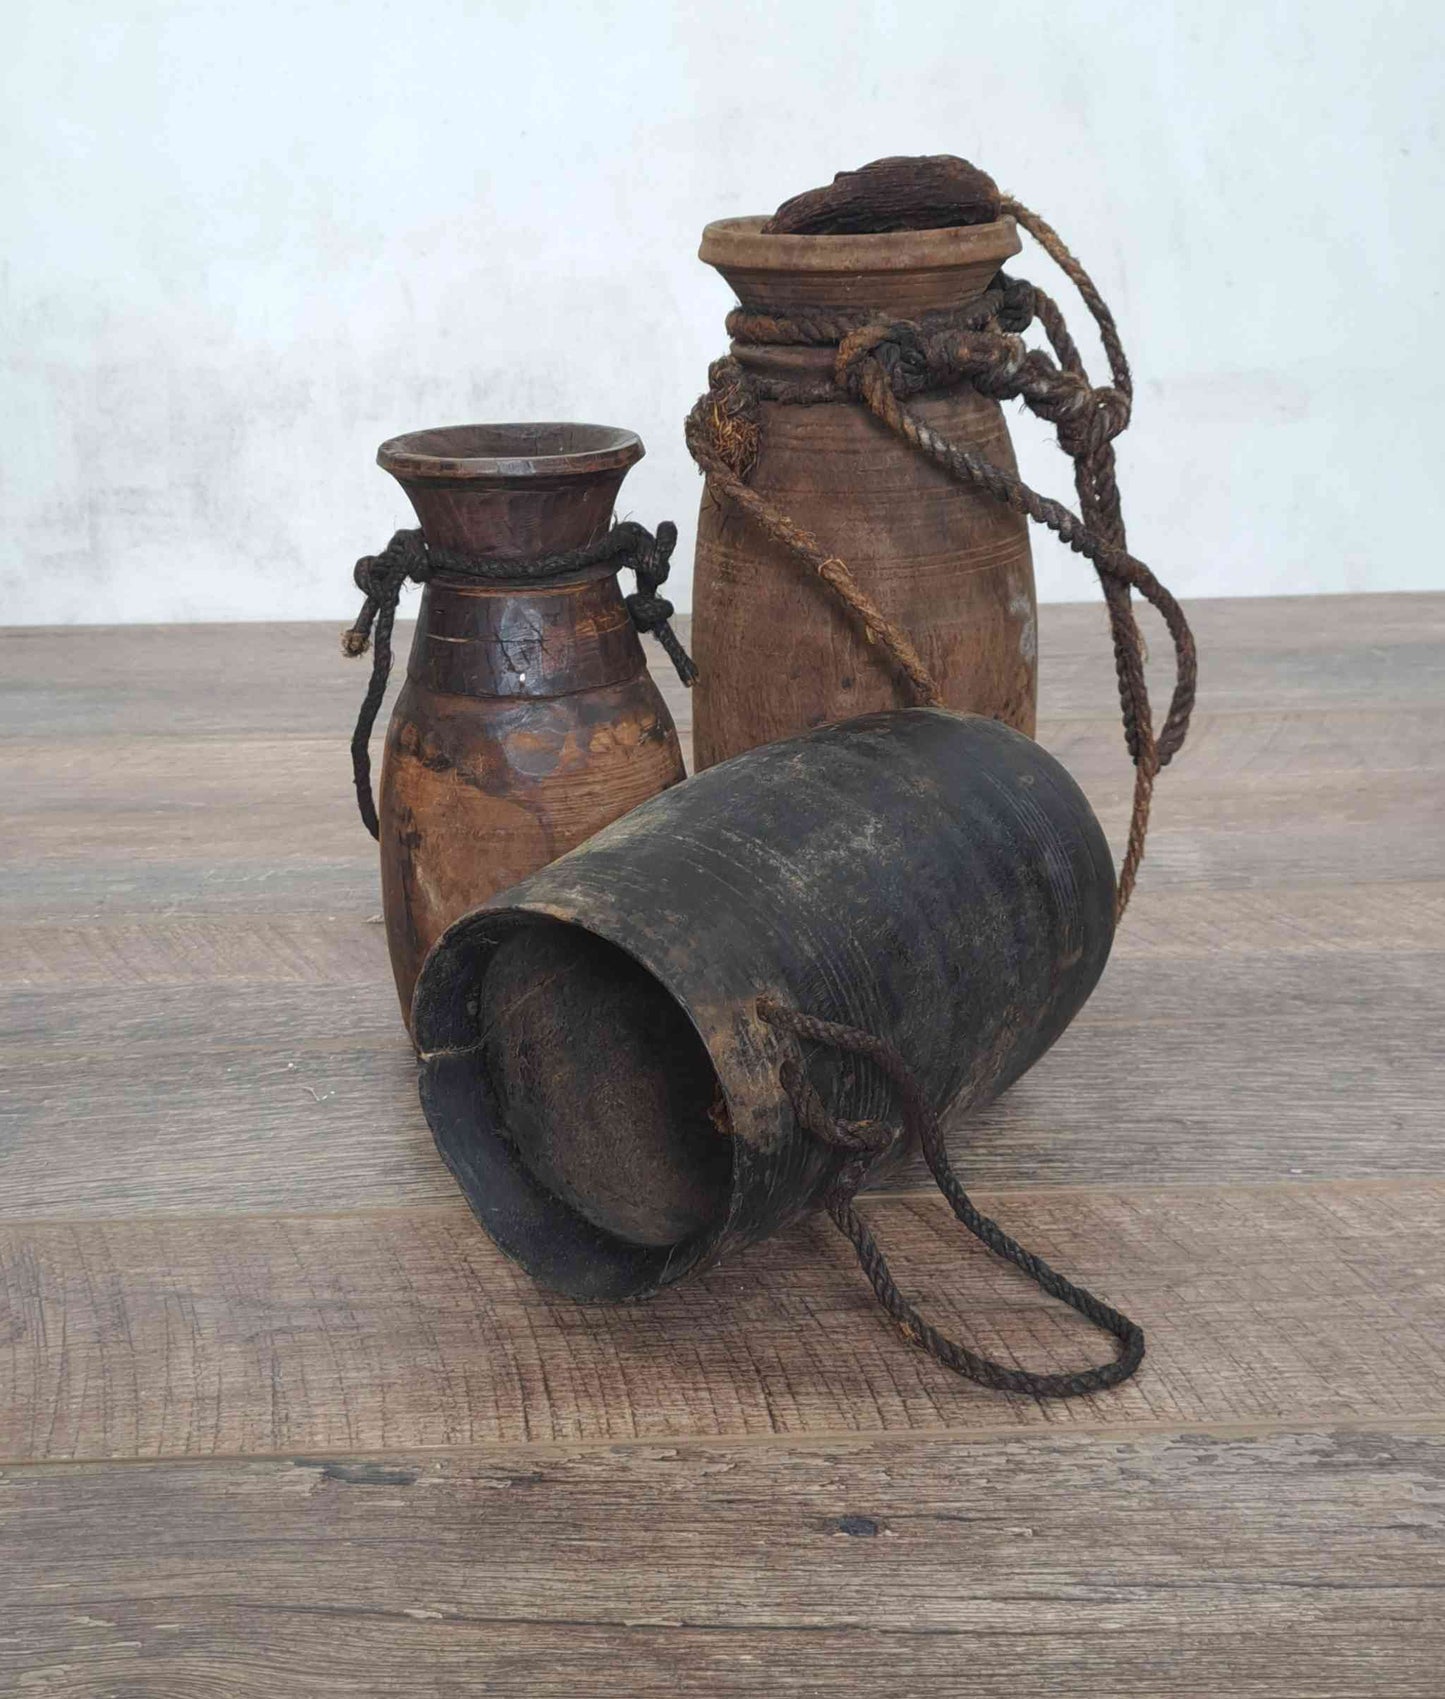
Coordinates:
[275,1417]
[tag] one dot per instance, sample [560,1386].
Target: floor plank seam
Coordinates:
[1418,1422]
[926,1193]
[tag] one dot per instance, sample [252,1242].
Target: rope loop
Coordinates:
[409,556]
[863,1144]
[881,364]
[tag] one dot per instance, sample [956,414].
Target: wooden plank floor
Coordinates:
[276,1419]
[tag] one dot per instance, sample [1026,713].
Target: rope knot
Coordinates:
[1087,419]
[653,560]
[379,579]
[1016,306]
[649,612]
[898,349]
[992,361]
[405,556]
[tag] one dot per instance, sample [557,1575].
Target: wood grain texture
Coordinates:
[61,891]
[1375,653]
[298,1095]
[1329,919]
[1330,829]
[408,1328]
[1180,1566]
[315,987]
[128,954]
[115,1102]
[225,1238]
[776,652]
[169,795]
[243,933]
[118,833]
[192,775]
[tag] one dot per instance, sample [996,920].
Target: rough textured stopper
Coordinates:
[931,192]
[606,1090]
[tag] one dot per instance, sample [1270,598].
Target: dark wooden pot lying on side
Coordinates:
[593,1062]
[528,719]
[776,653]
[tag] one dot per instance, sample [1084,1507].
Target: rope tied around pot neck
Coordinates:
[862,1144]
[409,556]
[881,364]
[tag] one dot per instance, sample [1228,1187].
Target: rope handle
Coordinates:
[863,1143]
[409,556]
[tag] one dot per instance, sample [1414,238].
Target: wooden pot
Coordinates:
[776,653]
[594,1064]
[528,719]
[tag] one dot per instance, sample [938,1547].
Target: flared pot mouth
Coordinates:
[541,449]
[535,1069]
[742,243]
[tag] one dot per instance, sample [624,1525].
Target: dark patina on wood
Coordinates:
[528,718]
[591,1039]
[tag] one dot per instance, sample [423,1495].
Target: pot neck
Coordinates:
[503,519]
[500,640]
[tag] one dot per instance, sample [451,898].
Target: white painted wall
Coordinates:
[245,242]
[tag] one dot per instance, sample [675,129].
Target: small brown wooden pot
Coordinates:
[528,719]
[776,653]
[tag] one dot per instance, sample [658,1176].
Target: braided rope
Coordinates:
[409,556]
[862,1143]
[880,364]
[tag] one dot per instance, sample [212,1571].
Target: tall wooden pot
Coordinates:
[528,720]
[775,652]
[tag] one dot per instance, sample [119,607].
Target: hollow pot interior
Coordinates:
[581,1114]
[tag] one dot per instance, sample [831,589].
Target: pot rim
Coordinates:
[740,242]
[485,451]
[572,1254]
